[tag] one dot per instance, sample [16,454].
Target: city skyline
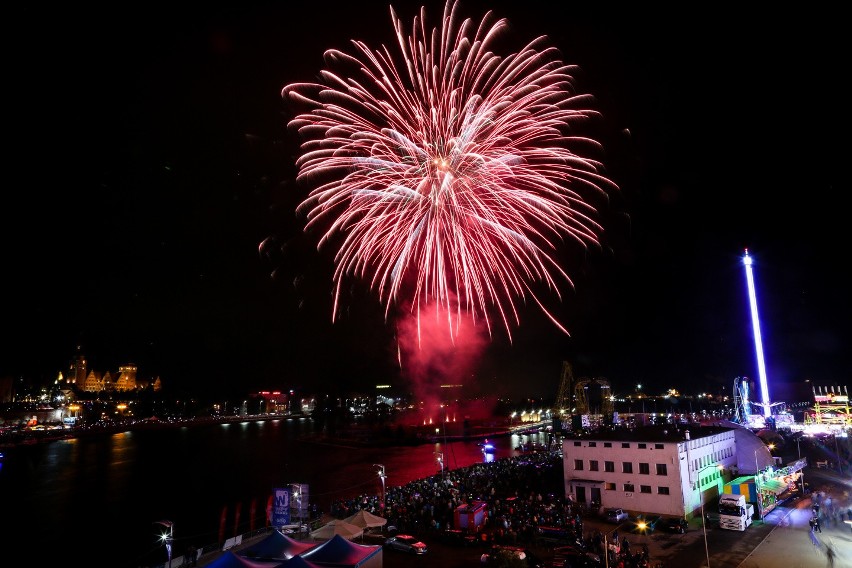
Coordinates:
[157,161]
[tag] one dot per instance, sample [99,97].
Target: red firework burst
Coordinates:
[445,174]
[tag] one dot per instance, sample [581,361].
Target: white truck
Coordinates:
[734,512]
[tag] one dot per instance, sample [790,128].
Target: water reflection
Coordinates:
[209,480]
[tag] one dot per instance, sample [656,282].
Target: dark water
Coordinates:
[98,499]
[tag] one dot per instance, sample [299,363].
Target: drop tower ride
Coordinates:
[758,344]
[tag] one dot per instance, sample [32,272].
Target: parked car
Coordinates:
[295,529]
[675,524]
[645,524]
[615,515]
[406,543]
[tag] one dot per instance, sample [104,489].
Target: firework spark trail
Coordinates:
[448,178]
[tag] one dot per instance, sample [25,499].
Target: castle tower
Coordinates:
[77,369]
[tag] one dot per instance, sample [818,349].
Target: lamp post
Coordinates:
[297,494]
[168,538]
[382,476]
[801,471]
[839,457]
[703,518]
[441,463]
[606,546]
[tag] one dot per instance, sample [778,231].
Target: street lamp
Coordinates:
[606,546]
[801,471]
[168,538]
[837,452]
[382,476]
[297,495]
[703,518]
[441,463]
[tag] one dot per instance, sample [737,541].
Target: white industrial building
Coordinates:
[663,470]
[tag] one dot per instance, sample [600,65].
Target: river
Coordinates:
[98,499]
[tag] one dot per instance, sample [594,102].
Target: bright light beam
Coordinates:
[758,344]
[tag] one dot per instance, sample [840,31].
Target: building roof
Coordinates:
[664,433]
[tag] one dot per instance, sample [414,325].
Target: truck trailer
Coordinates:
[734,512]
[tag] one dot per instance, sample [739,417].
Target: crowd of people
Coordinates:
[829,510]
[525,504]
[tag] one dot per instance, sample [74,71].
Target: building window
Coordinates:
[593,444]
[578,464]
[644,469]
[644,489]
[607,444]
[643,446]
[593,465]
[626,467]
[658,446]
[578,444]
[662,490]
[625,444]
[609,486]
[609,467]
[629,487]
[661,469]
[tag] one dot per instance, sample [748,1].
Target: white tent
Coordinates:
[337,527]
[366,520]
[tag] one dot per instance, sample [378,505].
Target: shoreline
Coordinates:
[353,435]
[30,437]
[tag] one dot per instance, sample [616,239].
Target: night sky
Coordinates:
[149,158]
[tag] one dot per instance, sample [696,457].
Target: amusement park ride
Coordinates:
[591,399]
[830,413]
[588,403]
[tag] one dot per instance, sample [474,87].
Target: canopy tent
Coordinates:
[298,562]
[340,552]
[337,527]
[230,559]
[276,546]
[366,520]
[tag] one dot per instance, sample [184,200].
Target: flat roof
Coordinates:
[665,433]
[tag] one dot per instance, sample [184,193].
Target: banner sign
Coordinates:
[280,506]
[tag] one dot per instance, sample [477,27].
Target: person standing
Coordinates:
[829,555]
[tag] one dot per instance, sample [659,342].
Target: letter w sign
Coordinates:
[280,507]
